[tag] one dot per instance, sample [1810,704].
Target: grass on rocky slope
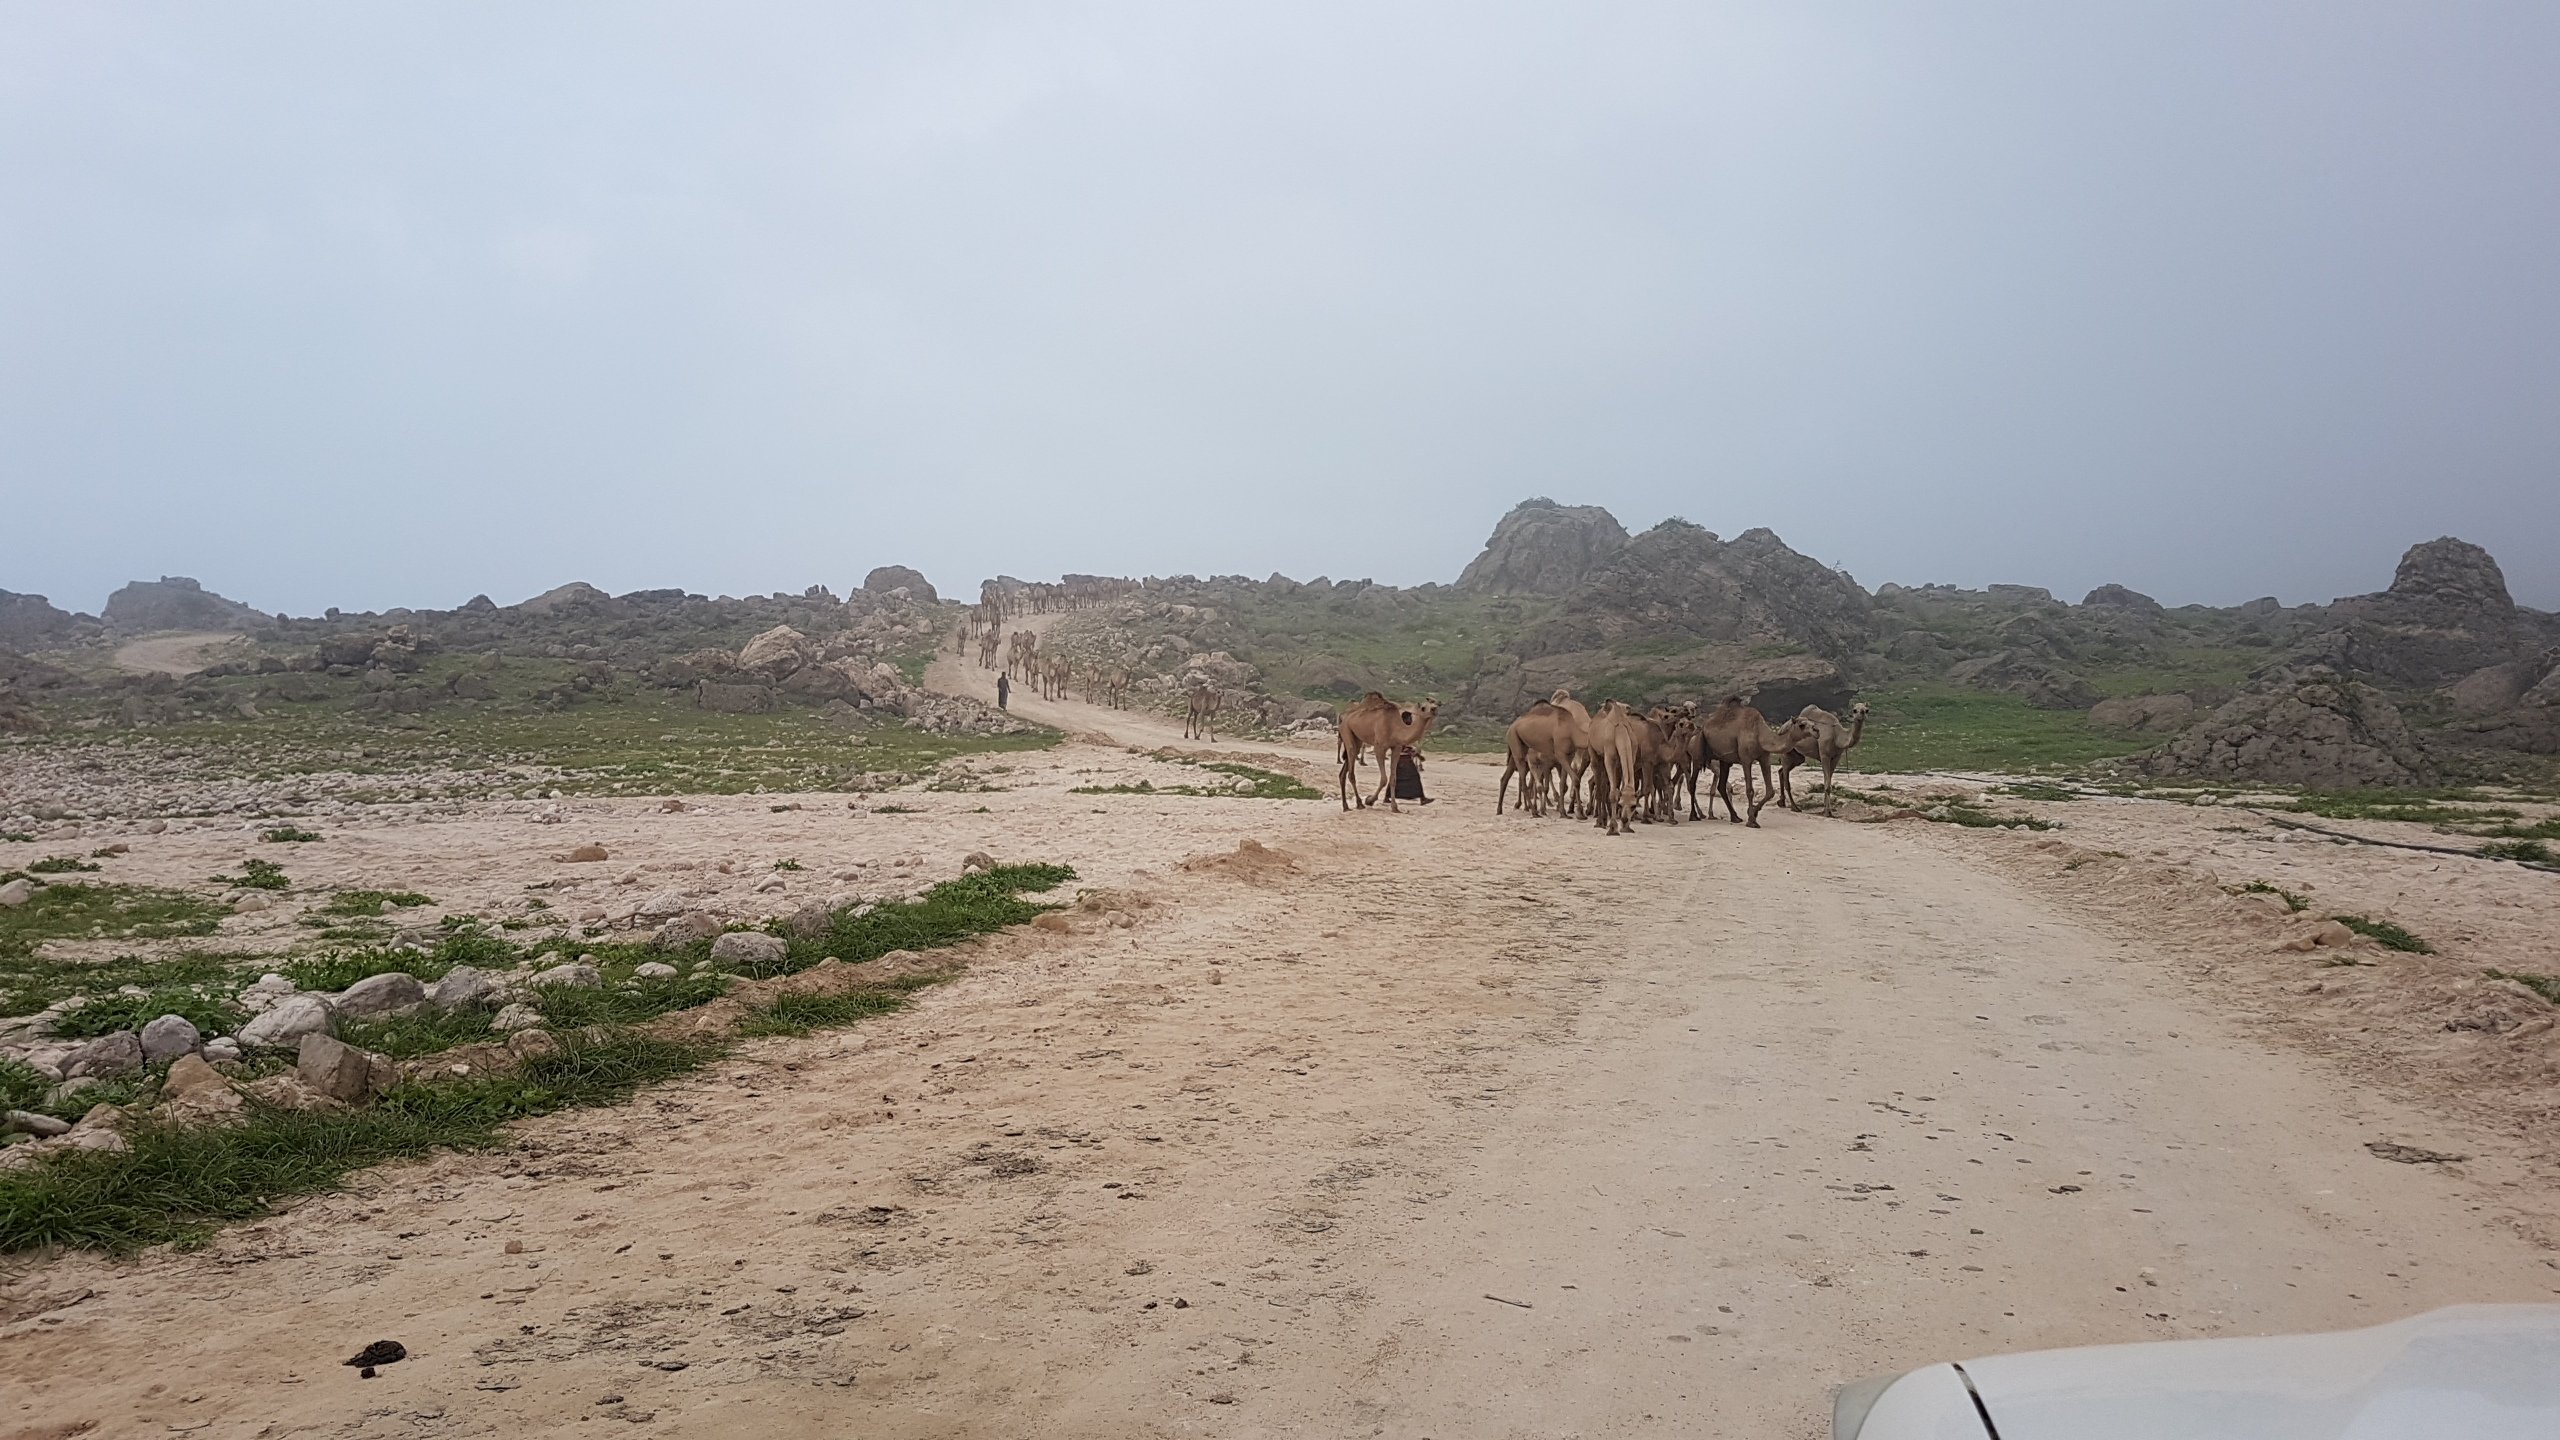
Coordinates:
[1931,727]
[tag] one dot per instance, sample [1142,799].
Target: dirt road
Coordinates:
[182,653]
[1450,1126]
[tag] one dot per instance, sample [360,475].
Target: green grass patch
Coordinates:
[338,969]
[60,865]
[174,1185]
[789,865]
[104,912]
[895,810]
[946,914]
[354,903]
[2530,852]
[2546,986]
[428,1032]
[256,875]
[289,835]
[2538,830]
[2039,790]
[124,1090]
[13,837]
[108,1013]
[2386,934]
[1972,818]
[28,984]
[627,1002]
[1936,727]
[2295,903]
[800,1014]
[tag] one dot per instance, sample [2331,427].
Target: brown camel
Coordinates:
[1736,734]
[1053,679]
[1821,739]
[1379,727]
[1203,716]
[1617,743]
[1537,748]
[1022,657]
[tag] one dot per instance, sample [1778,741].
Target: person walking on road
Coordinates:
[1004,691]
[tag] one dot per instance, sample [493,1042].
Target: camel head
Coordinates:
[1561,696]
[1858,711]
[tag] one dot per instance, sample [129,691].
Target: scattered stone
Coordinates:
[267,991]
[654,970]
[518,1016]
[17,892]
[27,1122]
[583,854]
[809,921]
[663,904]
[767,887]
[2329,934]
[105,1057]
[576,975]
[463,986]
[687,928]
[288,1020]
[532,1043]
[2394,1151]
[393,993]
[342,1072]
[251,904]
[671,806]
[221,1048]
[380,1352]
[978,860]
[748,947]
[191,1076]
[169,1037]
[195,1091]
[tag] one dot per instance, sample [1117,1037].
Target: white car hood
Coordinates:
[2470,1372]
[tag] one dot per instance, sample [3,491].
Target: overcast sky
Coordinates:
[380,304]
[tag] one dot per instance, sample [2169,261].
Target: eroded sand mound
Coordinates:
[1251,861]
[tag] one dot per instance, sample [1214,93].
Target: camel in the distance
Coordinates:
[1737,734]
[1821,739]
[1203,716]
[1539,749]
[1380,727]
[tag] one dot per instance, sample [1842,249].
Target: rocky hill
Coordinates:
[175,602]
[1543,548]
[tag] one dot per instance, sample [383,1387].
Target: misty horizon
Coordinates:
[386,308]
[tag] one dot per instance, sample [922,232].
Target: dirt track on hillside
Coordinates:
[1436,1124]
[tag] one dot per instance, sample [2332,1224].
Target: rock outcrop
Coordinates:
[174,602]
[1543,548]
[1679,580]
[2040,683]
[2117,597]
[2446,615]
[27,620]
[899,577]
[2299,724]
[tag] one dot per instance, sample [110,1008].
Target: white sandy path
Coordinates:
[1251,1168]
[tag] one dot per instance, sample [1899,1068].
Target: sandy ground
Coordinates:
[181,653]
[1433,1124]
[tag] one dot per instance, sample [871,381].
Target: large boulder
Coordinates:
[750,948]
[776,653]
[106,1057]
[342,1072]
[169,1037]
[395,993]
[285,1022]
[1543,548]
[898,577]
[174,602]
[2299,725]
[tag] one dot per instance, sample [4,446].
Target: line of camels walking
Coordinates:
[1617,767]
[1103,684]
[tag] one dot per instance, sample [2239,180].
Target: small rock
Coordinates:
[118,848]
[518,1016]
[286,1092]
[748,947]
[686,929]
[251,904]
[767,887]
[191,1076]
[654,970]
[106,1056]
[342,1072]
[27,1122]
[664,903]
[461,987]
[169,1037]
[584,854]
[393,993]
[287,1021]
[221,1048]
[17,892]
[2329,934]
[978,860]
[156,827]
[532,1043]
[809,921]
[671,807]
[577,975]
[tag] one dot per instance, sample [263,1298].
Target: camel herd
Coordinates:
[1618,767]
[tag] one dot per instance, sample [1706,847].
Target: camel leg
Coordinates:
[1724,787]
[1387,777]
[1828,799]
[1756,801]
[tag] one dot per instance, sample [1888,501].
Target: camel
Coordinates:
[1736,734]
[1821,740]
[1538,747]
[1053,679]
[1380,727]
[987,639]
[1203,716]
[1022,657]
[1617,742]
